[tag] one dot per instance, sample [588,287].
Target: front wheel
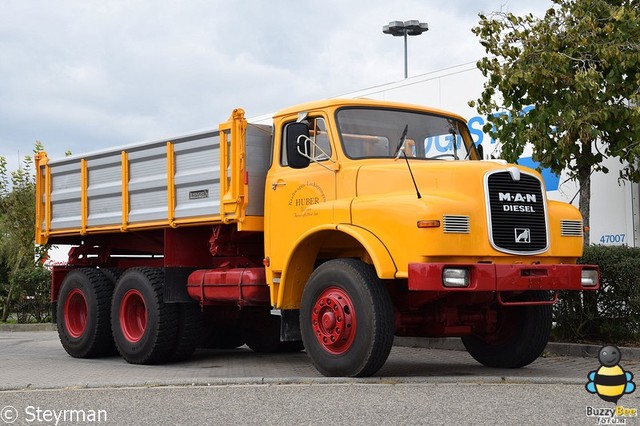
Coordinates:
[520,336]
[188,334]
[346,319]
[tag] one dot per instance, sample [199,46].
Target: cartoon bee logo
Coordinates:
[610,381]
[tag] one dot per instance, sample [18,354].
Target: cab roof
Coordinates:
[361,102]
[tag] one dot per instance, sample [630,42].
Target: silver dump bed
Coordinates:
[167,182]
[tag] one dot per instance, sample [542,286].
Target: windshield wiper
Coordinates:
[400,151]
[454,135]
[403,140]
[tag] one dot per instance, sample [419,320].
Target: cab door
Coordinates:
[297,200]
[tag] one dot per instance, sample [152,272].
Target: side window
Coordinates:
[283,148]
[320,148]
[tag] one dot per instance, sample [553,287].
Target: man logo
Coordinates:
[523,235]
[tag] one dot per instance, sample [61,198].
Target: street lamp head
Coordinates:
[400,28]
[395,28]
[416,27]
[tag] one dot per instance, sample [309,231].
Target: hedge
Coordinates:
[611,314]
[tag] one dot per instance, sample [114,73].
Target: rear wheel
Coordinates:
[519,338]
[188,335]
[83,312]
[112,274]
[346,319]
[144,326]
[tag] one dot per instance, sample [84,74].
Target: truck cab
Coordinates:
[399,197]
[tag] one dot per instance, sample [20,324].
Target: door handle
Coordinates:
[275,185]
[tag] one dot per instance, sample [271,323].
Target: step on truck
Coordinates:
[341,225]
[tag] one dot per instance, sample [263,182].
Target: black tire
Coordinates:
[112,274]
[346,319]
[145,328]
[188,335]
[83,314]
[521,336]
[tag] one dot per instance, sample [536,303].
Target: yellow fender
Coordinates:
[300,264]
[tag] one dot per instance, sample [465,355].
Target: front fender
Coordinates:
[301,261]
[380,255]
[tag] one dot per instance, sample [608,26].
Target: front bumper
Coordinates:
[501,277]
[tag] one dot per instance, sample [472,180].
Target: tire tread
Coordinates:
[164,335]
[100,342]
[372,290]
[525,345]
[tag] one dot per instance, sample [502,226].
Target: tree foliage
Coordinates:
[18,253]
[30,300]
[579,67]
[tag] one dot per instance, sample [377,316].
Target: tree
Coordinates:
[17,211]
[579,67]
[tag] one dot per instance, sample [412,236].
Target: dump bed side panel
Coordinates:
[165,183]
[197,177]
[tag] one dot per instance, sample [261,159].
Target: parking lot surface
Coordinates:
[36,360]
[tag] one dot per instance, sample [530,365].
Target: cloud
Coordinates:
[88,75]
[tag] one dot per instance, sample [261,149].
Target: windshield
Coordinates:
[378,133]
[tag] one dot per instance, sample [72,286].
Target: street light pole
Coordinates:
[406,55]
[404,29]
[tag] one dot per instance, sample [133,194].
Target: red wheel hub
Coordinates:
[75,313]
[133,315]
[333,320]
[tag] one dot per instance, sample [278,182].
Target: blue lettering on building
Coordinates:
[551,180]
[475,127]
[475,124]
[442,144]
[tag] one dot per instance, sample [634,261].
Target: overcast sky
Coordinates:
[82,75]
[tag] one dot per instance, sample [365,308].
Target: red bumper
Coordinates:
[501,277]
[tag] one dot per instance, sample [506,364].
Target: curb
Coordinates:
[29,327]
[305,381]
[552,348]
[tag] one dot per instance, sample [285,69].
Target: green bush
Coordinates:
[611,314]
[31,302]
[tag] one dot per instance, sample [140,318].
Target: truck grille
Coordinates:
[516,212]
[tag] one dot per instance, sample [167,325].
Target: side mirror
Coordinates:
[480,150]
[298,145]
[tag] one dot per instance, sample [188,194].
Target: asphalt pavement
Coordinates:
[36,360]
[310,404]
[417,385]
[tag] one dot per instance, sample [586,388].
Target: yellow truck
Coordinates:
[341,225]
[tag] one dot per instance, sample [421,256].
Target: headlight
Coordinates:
[589,277]
[455,277]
